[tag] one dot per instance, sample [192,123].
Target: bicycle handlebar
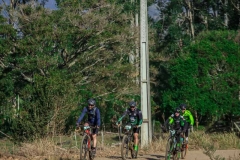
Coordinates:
[134,126]
[78,128]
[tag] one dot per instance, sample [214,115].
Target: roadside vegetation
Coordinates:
[67,147]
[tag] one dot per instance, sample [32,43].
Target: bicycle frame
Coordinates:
[127,142]
[86,145]
[171,148]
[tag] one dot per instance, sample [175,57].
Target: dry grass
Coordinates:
[215,141]
[66,148]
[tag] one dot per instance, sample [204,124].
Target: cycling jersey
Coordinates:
[187,115]
[178,123]
[135,117]
[93,116]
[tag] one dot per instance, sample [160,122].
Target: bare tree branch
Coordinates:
[27,78]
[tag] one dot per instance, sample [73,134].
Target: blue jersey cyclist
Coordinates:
[93,120]
[135,118]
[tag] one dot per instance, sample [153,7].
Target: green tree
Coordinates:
[206,76]
[61,58]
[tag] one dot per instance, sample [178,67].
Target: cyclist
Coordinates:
[178,123]
[93,120]
[187,115]
[135,118]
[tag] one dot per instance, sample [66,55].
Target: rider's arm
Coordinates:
[124,114]
[190,117]
[184,125]
[84,111]
[170,122]
[140,118]
[98,117]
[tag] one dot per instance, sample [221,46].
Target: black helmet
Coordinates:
[91,101]
[177,110]
[183,106]
[132,103]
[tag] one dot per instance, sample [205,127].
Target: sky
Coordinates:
[51,4]
[152,11]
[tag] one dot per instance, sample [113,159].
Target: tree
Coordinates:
[206,76]
[61,58]
[183,20]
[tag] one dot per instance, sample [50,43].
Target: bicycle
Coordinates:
[86,144]
[128,143]
[172,146]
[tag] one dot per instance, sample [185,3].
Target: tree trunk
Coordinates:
[226,19]
[196,118]
[189,10]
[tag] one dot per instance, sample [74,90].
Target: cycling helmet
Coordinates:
[132,103]
[183,106]
[177,110]
[91,101]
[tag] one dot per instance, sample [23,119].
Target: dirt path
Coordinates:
[192,155]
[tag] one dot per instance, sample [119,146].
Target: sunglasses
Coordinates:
[132,106]
[91,105]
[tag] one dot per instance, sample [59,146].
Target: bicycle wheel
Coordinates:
[84,147]
[131,148]
[177,152]
[139,144]
[176,155]
[91,155]
[184,150]
[169,148]
[124,147]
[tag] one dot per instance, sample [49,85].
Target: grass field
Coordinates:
[67,147]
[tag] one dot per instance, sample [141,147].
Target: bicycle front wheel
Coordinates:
[125,147]
[134,152]
[176,151]
[91,154]
[85,147]
[184,150]
[169,148]
[176,155]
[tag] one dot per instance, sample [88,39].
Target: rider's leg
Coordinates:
[94,136]
[178,141]
[135,135]
[187,133]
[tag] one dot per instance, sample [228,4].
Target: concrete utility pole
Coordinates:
[146,129]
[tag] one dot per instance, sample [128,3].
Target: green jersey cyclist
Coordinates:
[135,118]
[187,115]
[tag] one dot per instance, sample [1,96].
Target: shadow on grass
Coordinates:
[117,138]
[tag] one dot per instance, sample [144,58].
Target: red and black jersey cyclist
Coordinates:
[135,118]
[93,120]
